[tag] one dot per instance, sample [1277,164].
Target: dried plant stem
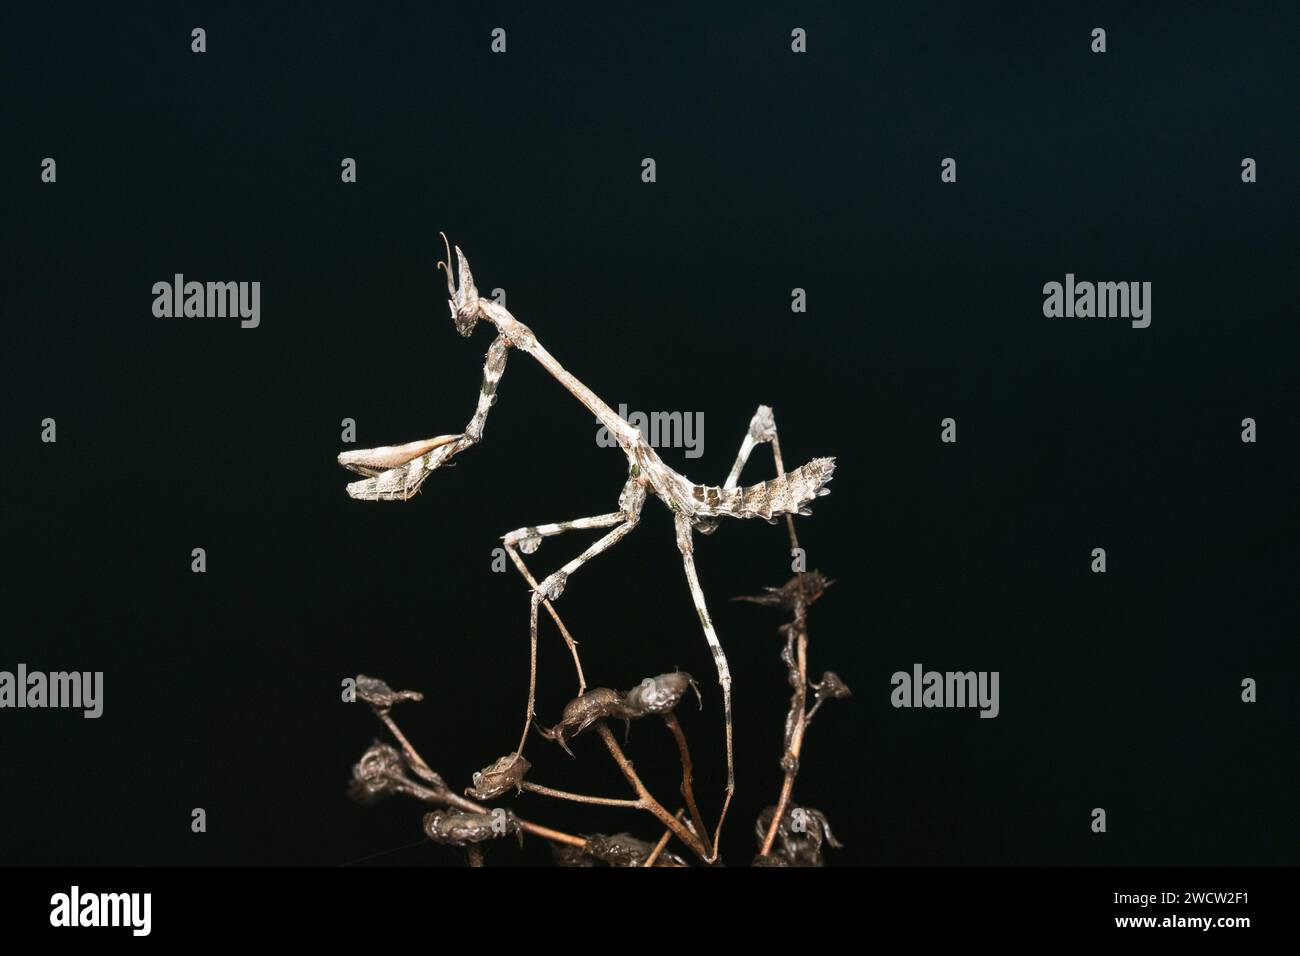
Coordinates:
[797,653]
[688,791]
[791,759]
[413,758]
[546,833]
[445,797]
[663,842]
[450,798]
[438,792]
[581,797]
[651,804]
[799,717]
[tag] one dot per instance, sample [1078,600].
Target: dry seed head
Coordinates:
[496,779]
[660,695]
[581,712]
[457,828]
[377,774]
[379,695]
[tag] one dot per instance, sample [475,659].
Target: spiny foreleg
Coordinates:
[396,472]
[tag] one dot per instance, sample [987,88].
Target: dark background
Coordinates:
[774,171]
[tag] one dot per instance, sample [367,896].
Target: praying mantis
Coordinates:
[397,472]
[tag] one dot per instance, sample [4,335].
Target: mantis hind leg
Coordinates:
[686,545]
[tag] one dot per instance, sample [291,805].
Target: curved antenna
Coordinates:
[451,283]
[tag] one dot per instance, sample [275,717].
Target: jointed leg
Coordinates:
[396,472]
[553,585]
[550,589]
[568,638]
[687,548]
[528,540]
[762,428]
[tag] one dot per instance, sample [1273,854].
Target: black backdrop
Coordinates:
[775,171]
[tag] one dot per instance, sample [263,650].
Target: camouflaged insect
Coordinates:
[496,779]
[396,473]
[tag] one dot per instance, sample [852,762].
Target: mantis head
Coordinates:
[463,302]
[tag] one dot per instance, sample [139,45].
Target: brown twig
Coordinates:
[797,721]
[438,792]
[413,758]
[663,842]
[688,791]
[796,654]
[450,798]
[651,804]
[581,797]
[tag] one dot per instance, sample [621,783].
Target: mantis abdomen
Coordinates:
[790,493]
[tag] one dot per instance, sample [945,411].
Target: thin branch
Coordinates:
[581,797]
[663,842]
[796,655]
[413,758]
[651,804]
[688,791]
[438,793]
[450,798]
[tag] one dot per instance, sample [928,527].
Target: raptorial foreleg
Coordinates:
[396,472]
